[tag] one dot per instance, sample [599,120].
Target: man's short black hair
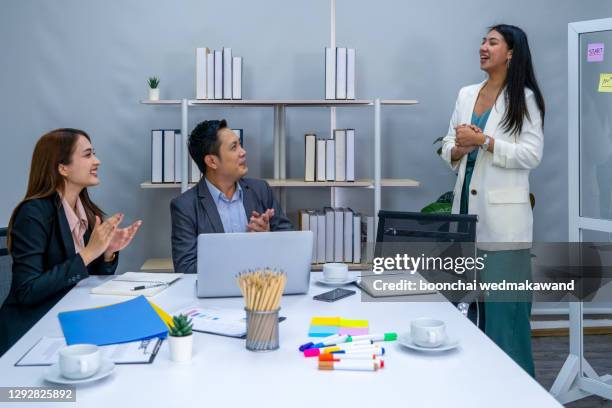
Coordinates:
[204,140]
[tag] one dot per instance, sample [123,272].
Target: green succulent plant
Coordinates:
[181,326]
[153,82]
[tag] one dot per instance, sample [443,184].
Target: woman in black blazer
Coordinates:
[55,235]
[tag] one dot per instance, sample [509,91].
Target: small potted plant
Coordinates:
[181,339]
[153,88]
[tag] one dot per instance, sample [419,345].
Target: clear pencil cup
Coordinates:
[262,330]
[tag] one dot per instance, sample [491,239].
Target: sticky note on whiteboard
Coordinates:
[605,82]
[595,52]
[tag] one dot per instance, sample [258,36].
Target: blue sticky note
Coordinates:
[322,331]
[119,323]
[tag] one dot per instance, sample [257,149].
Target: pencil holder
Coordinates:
[262,330]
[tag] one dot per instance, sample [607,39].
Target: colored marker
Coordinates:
[313,352]
[306,346]
[379,351]
[374,337]
[353,365]
[355,356]
[332,340]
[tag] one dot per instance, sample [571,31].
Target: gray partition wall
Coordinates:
[84,64]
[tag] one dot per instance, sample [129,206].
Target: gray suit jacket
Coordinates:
[194,212]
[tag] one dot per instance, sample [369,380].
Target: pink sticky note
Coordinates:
[354,331]
[595,52]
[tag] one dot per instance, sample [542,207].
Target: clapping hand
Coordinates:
[260,222]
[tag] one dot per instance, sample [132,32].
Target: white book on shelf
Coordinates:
[340,73]
[310,140]
[330,156]
[338,235]
[178,152]
[321,237]
[367,226]
[329,234]
[169,156]
[218,74]
[350,73]
[321,160]
[348,235]
[356,238]
[194,174]
[157,156]
[210,78]
[227,73]
[340,137]
[312,223]
[304,220]
[350,154]
[330,73]
[237,78]
[201,73]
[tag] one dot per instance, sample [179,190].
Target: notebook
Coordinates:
[124,285]
[122,322]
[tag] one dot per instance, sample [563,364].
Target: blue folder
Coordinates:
[119,323]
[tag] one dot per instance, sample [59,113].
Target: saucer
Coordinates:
[336,283]
[406,340]
[53,374]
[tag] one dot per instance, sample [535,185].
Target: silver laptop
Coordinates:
[222,256]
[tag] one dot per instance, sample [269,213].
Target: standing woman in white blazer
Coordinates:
[494,140]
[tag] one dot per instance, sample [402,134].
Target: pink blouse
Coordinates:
[78,223]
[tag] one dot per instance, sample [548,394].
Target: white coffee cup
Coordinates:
[335,272]
[426,332]
[79,361]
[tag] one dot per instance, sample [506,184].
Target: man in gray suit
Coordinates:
[223,200]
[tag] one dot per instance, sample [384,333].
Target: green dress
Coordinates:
[506,320]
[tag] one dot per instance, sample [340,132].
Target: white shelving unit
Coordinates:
[280,180]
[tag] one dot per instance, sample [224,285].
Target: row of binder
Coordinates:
[330,159]
[166,152]
[218,74]
[338,233]
[339,73]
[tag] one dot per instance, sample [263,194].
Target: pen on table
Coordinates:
[147,287]
[353,365]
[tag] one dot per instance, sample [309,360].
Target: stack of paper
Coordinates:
[136,284]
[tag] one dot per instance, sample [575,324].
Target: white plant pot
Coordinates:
[181,348]
[154,94]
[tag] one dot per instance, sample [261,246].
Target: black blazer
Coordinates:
[194,212]
[45,266]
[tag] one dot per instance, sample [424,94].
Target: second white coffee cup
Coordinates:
[79,361]
[335,272]
[426,332]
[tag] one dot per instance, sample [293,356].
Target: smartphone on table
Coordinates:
[334,295]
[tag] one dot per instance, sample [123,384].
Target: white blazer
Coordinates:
[499,188]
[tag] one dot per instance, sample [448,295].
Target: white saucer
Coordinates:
[336,283]
[406,340]
[53,374]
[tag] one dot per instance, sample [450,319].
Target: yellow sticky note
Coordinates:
[605,82]
[353,323]
[325,321]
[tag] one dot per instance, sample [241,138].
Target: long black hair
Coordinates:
[520,76]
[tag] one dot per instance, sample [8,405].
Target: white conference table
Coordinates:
[224,373]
